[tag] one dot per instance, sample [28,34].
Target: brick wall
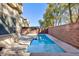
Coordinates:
[67,33]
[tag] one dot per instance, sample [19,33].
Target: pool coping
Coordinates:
[69,50]
[67,47]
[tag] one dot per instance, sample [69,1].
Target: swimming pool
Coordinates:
[43,44]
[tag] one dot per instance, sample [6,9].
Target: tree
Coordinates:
[41,23]
[57,14]
[48,16]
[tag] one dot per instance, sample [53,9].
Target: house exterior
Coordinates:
[10,16]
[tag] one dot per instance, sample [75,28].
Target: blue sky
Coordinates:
[33,12]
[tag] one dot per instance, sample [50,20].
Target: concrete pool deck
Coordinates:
[69,50]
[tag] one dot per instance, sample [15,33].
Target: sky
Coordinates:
[33,12]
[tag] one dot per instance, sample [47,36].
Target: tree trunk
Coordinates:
[77,20]
[70,12]
[59,21]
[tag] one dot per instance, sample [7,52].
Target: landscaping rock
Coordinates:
[23,53]
[8,52]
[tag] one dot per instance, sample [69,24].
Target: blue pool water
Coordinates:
[43,44]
